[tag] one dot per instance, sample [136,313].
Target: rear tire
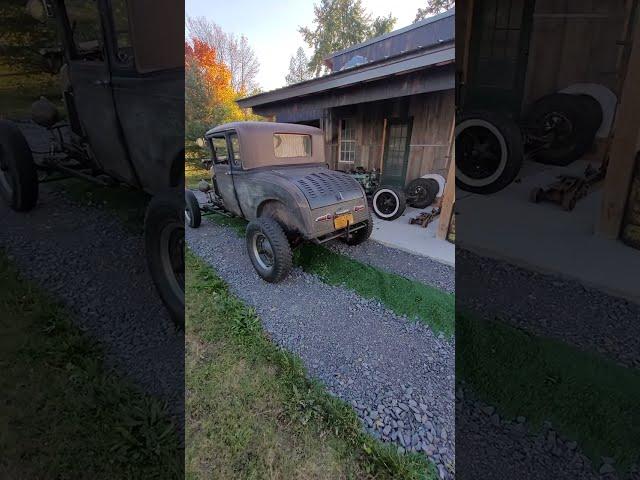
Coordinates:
[269,249]
[389,203]
[489,152]
[164,248]
[362,235]
[18,173]
[422,192]
[192,209]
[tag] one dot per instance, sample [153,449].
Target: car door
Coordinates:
[89,72]
[223,167]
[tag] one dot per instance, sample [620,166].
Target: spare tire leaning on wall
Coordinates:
[489,151]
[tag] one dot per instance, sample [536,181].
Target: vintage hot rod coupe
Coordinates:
[121,68]
[275,176]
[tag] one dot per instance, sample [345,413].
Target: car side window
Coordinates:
[235,147]
[84,21]
[220,153]
[124,49]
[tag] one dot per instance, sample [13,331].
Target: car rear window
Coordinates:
[287,145]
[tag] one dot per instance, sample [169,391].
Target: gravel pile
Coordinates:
[494,447]
[414,267]
[397,374]
[89,261]
[550,306]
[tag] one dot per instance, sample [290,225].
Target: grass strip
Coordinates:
[588,398]
[403,296]
[251,411]
[62,414]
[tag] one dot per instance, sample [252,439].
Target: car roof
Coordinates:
[256,142]
[265,128]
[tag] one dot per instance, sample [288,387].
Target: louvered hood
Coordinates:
[323,187]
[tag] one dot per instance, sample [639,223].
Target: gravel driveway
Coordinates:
[397,374]
[415,267]
[88,260]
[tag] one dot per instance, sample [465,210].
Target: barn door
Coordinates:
[498,50]
[396,152]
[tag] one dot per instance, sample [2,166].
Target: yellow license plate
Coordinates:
[342,221]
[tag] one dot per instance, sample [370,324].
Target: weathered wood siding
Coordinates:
[432,119]
[572,42]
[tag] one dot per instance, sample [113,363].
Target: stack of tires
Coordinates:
[390,202]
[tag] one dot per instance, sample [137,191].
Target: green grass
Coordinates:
[62,415]
[20,91]
[251,412]
[586,397]
[403,296]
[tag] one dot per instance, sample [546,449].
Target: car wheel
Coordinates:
[489,152]
[269,249]
[389,203]
[192,209]
[421,192]
[164,246]
[18,173]
[362,235]
[570,120]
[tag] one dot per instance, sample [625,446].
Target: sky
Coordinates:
[271,26]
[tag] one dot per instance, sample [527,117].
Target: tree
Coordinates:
[209,95]
[235,52]
[298,68]
[433,8]
[339,24]
[382,25]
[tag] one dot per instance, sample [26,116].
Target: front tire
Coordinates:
[489,152]
[389,203]
[18,173]
[192,209]
[164,248]
[269,249]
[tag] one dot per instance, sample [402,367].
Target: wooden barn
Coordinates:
[388,103]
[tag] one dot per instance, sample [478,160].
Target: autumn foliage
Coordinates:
[209,96]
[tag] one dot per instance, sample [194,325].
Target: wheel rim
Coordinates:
[560,126]
[172,256]
[481,152]
[419,193]
[263,251]
[386,203]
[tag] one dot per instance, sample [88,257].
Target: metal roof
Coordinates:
[415,60]
[429,32]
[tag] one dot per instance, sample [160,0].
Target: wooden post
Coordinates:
[623,147]
[449,195]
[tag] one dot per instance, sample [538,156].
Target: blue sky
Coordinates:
[272,26]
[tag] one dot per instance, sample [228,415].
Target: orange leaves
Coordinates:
[215,76]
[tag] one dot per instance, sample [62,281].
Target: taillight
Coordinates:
[357,208]
[322,218]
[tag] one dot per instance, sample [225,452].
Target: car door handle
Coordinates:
[102,83]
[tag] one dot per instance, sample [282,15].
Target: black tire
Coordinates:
[269,249]
[421,192]
[164,246]
[192,209]
[18,173]
[389,203]
[489,152]
[362,235]
[570,120]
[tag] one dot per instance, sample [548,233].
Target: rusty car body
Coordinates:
[121,69]
[275,176]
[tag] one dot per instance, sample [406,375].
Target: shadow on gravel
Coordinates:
[63,414]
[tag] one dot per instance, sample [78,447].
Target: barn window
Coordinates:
[347,151]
